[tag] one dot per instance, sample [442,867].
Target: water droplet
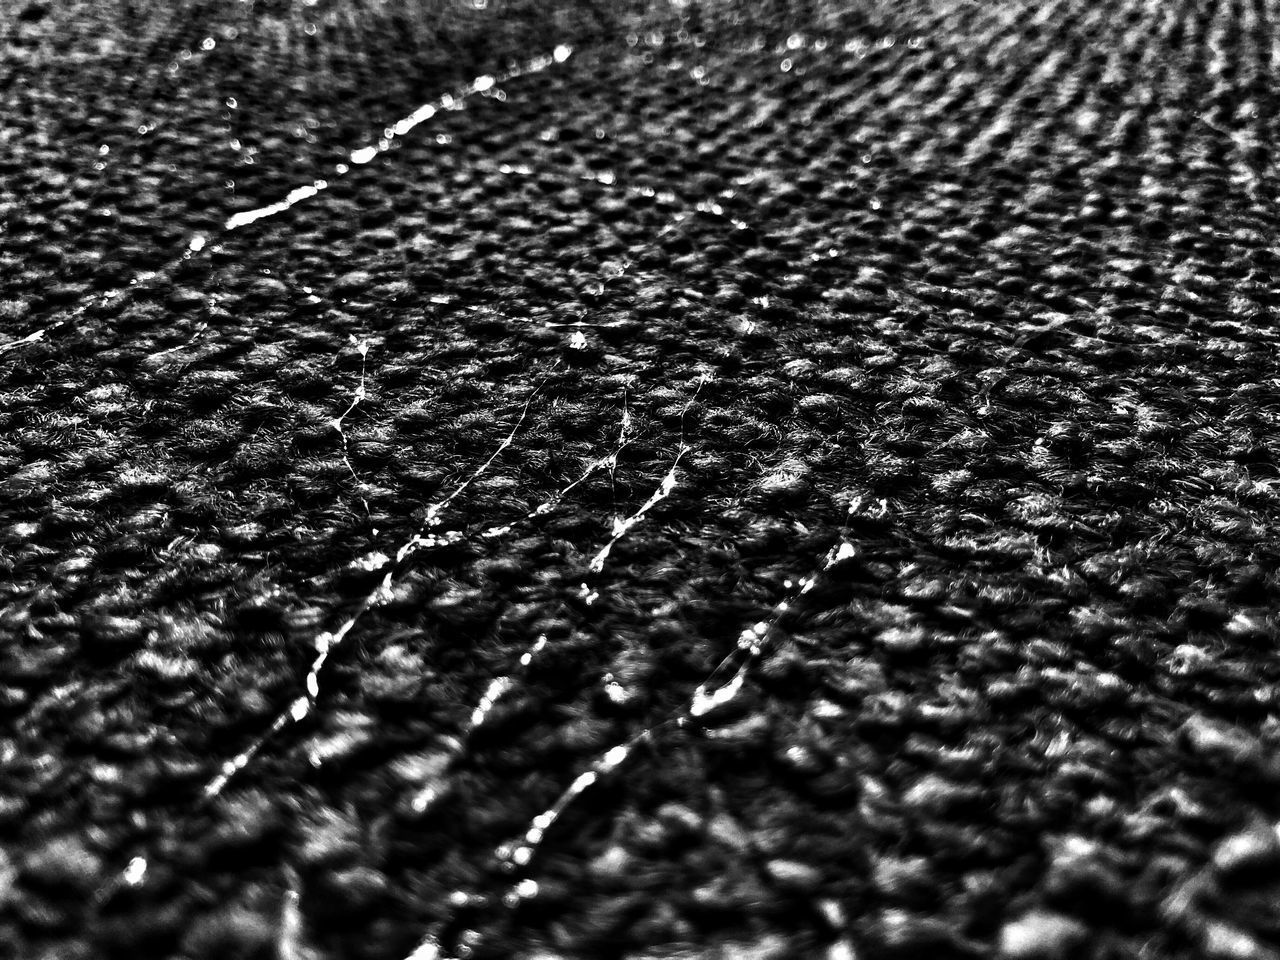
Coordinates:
[614,756]
[469,937]
[704,700]
[208,43]
[527,889]
[310,29]
[427,950]
[786,65]
[135,871]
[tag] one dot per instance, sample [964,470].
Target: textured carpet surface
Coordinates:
[730,480]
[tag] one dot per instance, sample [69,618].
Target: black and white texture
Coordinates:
[734,480]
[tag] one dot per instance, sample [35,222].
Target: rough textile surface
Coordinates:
[550,480]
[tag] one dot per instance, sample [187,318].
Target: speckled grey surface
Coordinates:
[824,454]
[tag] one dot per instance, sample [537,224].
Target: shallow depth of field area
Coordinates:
[639,480]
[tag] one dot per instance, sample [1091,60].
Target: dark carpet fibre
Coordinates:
[732,480]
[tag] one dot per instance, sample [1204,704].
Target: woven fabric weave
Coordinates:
[788,479]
